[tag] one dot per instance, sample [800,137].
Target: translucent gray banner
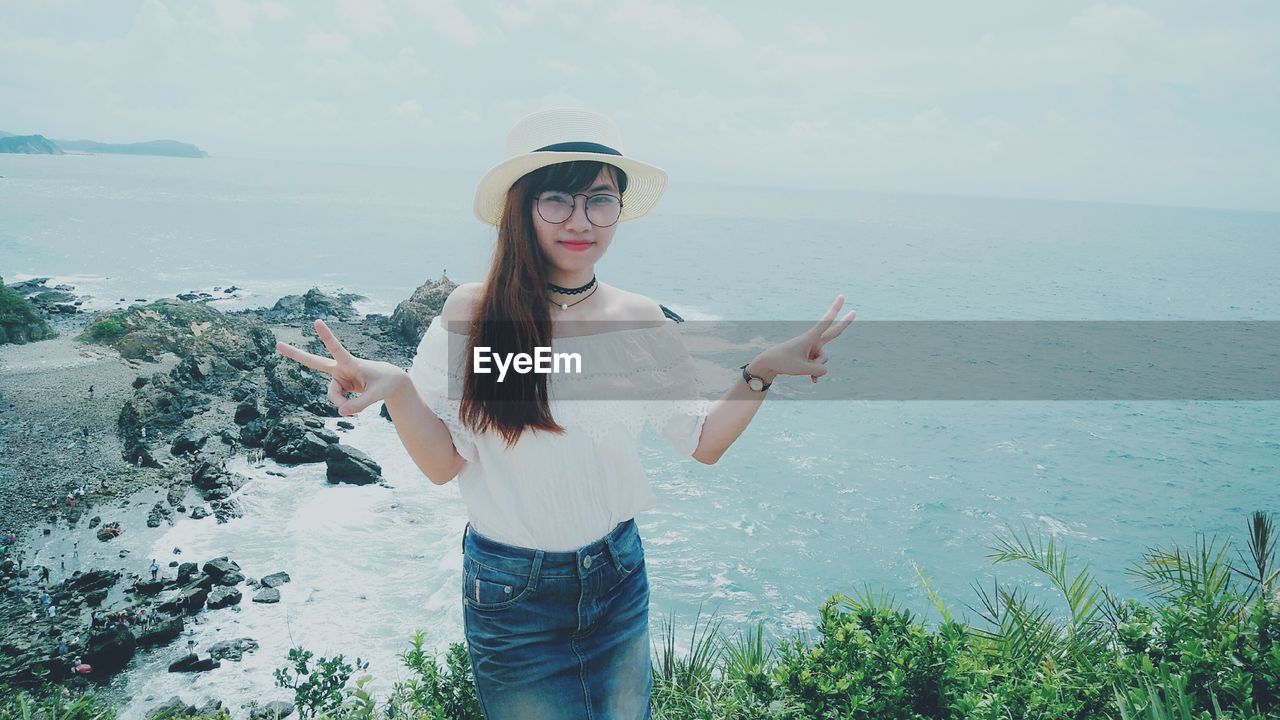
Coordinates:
[956,360]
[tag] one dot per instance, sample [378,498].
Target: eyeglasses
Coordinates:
[556,207]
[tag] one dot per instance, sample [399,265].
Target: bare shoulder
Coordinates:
[632,306]
[461,304]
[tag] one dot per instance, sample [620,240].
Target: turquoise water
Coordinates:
[816,497]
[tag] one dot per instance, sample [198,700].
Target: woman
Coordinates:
[555,592]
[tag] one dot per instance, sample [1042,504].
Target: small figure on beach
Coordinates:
[144,433]
[90,392]
[155,568]
[44,574]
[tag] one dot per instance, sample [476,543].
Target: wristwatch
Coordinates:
[755,382]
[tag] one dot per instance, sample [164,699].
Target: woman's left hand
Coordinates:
[805,354]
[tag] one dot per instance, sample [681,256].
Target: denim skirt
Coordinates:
[558,635]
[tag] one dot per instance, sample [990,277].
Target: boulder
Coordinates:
[222,597]
[109,651]
[275,580]
[186,571]
[161,631]
[160,513]
[267,595]
[232,649]
[193,663]
[188,442]
[274,710]
[219,566]
[247,412]
[85,582]
[412,316]
[172,709]
[346,464]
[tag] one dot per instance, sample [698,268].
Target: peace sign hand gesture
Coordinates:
[805,354]
[373,380]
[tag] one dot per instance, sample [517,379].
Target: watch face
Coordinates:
[756,384]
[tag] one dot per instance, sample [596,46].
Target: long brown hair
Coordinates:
[513,315]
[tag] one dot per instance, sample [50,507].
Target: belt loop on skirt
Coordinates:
[464,538]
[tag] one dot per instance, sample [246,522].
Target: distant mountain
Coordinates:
[28,145]
[40,145]
[170,148]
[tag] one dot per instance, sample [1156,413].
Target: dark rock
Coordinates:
[161,631]
[219,566]
[210,708]
[224,596]
[186,570]
[232,649]
[225,510]
[149,587]
[110,650]
[174,497]
[292,385]
[188,442]
[86,582]
[193,663]
[267,595]
[196,597]
[310,306]
[272,711]
[140,382]
[291,441]
[172,709]
[94,598]
[348,465]
[346,425]
[246,412]
[411,317]
[199,512]
[231,578]
[159,513]
[275,580]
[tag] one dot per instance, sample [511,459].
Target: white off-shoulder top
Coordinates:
[561,492]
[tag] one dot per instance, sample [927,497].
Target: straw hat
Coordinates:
[563,135]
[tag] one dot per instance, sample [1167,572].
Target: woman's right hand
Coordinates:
[373,380]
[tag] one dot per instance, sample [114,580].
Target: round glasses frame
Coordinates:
[538,205]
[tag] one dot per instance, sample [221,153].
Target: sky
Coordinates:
[1170,103]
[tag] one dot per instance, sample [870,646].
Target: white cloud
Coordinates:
[328,41]
[363,16]
[408,109]
[668,23]
[449,21]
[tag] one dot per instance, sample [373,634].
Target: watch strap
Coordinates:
[747,377]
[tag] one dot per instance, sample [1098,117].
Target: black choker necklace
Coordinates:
[572,291]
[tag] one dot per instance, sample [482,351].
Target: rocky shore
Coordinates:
[159,395]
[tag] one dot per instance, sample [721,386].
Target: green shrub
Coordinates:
[14,309]
[106,329]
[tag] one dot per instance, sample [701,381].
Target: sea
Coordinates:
[900,498]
